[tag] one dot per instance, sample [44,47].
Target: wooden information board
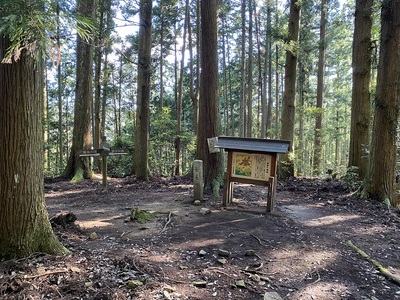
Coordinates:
[252,161]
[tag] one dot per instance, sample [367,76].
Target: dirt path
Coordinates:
[183,252]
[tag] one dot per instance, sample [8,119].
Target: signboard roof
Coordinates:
[252,144]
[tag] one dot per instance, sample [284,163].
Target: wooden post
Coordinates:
[104,171]
[198,179]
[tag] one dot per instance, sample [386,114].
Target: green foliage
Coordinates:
[162,138]
[351,179]
[121,165]
[31,26]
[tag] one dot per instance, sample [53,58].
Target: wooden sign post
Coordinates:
[104,151]
[252,161]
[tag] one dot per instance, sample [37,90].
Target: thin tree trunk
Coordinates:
[242,117]
[320,91]
[249,119]
[180,95]
[194,88]
[59,95]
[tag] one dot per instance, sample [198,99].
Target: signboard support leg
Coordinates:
[271,194]
[104,171]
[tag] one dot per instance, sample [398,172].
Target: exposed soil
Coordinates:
[180,251]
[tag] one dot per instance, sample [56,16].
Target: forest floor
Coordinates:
[179,250]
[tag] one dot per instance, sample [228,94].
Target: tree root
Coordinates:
[385,272]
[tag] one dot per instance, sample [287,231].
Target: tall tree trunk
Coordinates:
[225,77]
[260,70]
[24,222]
[286,163]
[242,117]
[268,79]
[361,102]
[81,139]
[194,88]
[180,95]
[381,173]
[59,95]
[249,119]
[161,95]
[209,120]
[141,157]
[320,90]
[97,84]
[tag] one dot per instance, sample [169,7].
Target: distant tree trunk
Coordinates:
[195,87]
[277,110]
[268,79]
[242,117]
[225,77]
[141,157]
[301,146]
[209,119]
[78,167]
[286,164]
[97,85]
[161,95]
[24,221]
[260,127]
[179,99]
[380,182]
[249,118]
[59,95]
[361,102]
[320,91]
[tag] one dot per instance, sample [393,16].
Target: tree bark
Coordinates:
[320,91]
[249,98]
[286,163]
[209,118]
[78,167]
[361,103]
[380,182]
[24,221]
[141,157]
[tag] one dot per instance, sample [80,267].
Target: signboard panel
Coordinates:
[251,166]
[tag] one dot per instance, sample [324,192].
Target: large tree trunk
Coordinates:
[24,222]
[78,167]
[361,103]
[320,91]
[209,121]
[380,180]
[143,91]
[286,163]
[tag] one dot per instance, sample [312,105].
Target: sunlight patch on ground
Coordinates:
[320,290]
[314,215]
[52,194]
[330,220]
[220,223]
[95,223]
[311,261]
[205,243]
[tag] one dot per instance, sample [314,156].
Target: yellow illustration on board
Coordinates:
[243,164]
[252,166]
